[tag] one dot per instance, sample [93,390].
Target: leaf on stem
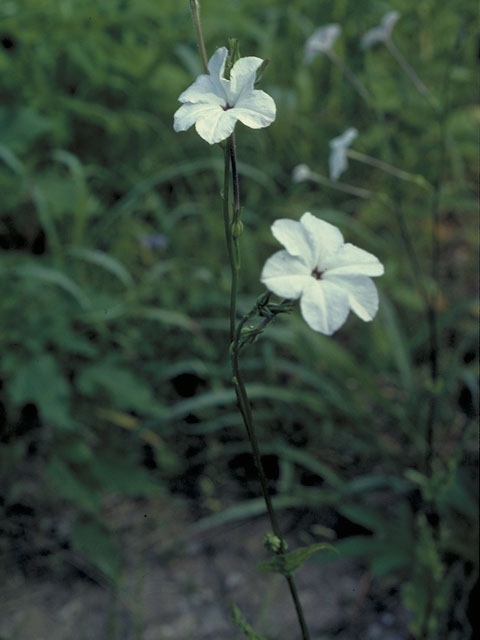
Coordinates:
[241,623]
[287,563]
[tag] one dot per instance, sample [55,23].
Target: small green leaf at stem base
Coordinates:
[287,563]
[241,623]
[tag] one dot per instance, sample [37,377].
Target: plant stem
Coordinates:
[339,186]
[228,238]
[356,84]
[233,237]
[409,70]
[233,233]
[195,8]
[383,166]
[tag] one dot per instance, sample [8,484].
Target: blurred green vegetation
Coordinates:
[114,278]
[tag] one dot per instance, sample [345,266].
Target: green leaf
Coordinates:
[390,560]
[21,126]
[241,623]
[103,260]
[287,563]
[121,473]
[307,461]
[255,391]
[169,317]
[48,275]
[120,385]
[247,509]
[11,160]
[397,343]
[41,382]
[95,542]
[365,516]
[369,482]
[70,486]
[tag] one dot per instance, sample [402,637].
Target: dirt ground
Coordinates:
[178,587]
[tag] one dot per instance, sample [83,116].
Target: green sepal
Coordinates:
[261,69]
[233,55]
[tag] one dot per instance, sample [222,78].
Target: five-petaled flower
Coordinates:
[329,276]
[214,104]
[321,41]
[382,32]
[337,161]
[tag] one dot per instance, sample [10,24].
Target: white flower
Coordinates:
[214,104]
[382,32]
[321,41]
[337,161]
[300,173]
[329,276]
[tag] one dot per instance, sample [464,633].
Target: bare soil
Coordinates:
[180,587]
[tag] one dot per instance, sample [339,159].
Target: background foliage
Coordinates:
[113,331]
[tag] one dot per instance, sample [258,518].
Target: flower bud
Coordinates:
[274,543]
[237,228]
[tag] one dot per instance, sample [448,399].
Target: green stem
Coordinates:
[232,234]
[406,67]
[228,238]
[388,168]
[356,84]
[339,186]
[195,8]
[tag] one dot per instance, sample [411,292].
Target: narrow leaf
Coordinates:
[287,563]
[103,260]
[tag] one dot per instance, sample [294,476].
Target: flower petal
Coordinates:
[337,163]
[388,22]
[285,275]
[321,41]
[382,32]
[255,109]
[216,125]
[216,64]
[362,294]
[372,36]
[208,88]
[204,90]
[188,114]
[243,74]
[344,140]
[324,306]
[351,260]
[323,237]
[295,239]
[301,173]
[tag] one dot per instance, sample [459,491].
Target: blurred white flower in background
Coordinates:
[382,32]
[301,173]
[214,104]
[321,41]
[330,277]
[337,162]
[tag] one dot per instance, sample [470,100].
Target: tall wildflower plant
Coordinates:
[329,277]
